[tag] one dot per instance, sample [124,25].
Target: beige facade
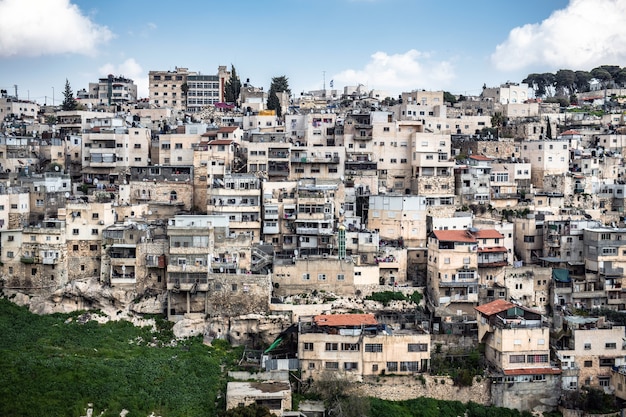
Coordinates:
[354,346]
[166,88]
[314,273]
[588,348]
[84,225]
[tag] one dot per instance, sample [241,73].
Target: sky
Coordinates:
[391,45]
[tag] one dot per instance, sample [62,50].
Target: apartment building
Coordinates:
[588,348]
[163,188]
[604,270]
[239,198]
[84,224]
[546,157]
[517,348]
[355,346]
[111,91]
[472,181]
[506,93]
[432,166]
[108,154]
[166,88]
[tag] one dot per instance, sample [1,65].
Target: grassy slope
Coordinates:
[54,367]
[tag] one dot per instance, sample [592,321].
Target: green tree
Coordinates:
[449,97]
[548,128]
[497,121]
[232,89]
[582,81]
[69,103]
[565,82]
[279,85]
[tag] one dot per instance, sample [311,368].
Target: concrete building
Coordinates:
[517,348]
[355,346]
[588,348]
[275,395]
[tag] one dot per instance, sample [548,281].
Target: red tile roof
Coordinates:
[480,158]
[221,142]
[488,234]
[532,371]
[209,134]
[571,132]
[227,129]
[494,307]
[454,236]
[344,319]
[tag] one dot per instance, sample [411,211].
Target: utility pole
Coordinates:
[324,78]
[15,86]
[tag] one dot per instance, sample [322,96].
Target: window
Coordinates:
[331,365]
[331,346]
[311,365]
[409,366]
[517,358]
[607,361]
[587,346]
[321,277]
[74,231]
[10,254]
[308,346]
[610,345]
[350,347]
[373,347]
[94,231]
[588,364]
[350,366]
[537,358]
[392,366]
[93,248]
[10,238]
[341,277]
[418,347]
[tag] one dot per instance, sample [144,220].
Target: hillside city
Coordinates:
[339,232]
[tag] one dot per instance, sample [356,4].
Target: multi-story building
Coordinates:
[84,223]
[204,90]
[354,346]
[506,93]
[473,181]
[167,88]
[604,270]
[517,348]
[588,348]
[546,157]
[108,155]
[111,91]
[238,197]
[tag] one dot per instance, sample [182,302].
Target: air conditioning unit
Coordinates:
[465,266]
[101,222]
[325,256]
[305,257]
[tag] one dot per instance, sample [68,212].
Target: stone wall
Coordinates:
[398,388]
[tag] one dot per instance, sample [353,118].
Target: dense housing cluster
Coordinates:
[503,212]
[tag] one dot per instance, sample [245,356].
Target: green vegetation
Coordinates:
[385,297]
[462,366]
[251,410]
[430,407]
[55,365]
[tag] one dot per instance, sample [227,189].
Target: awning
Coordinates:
[561,275]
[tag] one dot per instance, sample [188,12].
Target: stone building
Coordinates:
[354,346]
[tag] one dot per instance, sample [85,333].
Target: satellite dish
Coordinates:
[149,212]
[67,194]
[56,168]
[95,180]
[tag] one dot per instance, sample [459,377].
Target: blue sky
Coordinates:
[392,45]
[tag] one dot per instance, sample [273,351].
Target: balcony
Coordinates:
[314,231]
[187,282]
[29,260]
[50,260]
[362,137]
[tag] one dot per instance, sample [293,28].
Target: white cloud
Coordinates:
[399,72]
[45,27]
[129,69]
[585,34]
